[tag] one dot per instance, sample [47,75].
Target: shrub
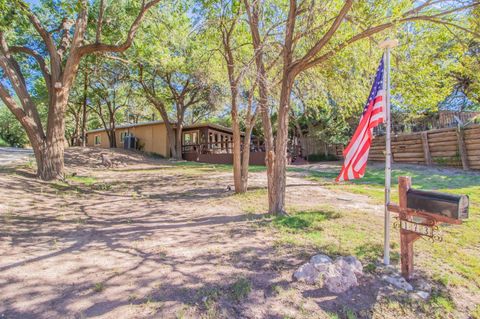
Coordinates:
[321,157]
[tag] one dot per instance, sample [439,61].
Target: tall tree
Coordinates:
[58,54]
[237,55]
[314,33]
[112,90]
[466,77]
[174,72]
[77,107]
[180,91]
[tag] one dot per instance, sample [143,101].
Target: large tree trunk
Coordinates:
[246,157]
[75,136]
[263,106]
[171,137]
[112,138]
[84,110]
[49,147]
[267,129]
[279,172]
[237,137]
[178,140]
[49,158]
[179,131]
[237,147]
[49,152]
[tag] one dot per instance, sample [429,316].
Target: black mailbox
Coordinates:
[453,206]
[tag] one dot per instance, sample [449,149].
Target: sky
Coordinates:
[32,1]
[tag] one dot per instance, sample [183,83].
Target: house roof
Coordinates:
[126,126]
[186,127]
[210,125]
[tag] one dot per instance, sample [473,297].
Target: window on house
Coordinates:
[123,135]
[187,138]
[98,140]
[190,138]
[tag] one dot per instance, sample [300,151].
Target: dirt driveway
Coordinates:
[147,239]
[12,155]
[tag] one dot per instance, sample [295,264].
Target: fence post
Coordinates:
[462,149]
[426,149]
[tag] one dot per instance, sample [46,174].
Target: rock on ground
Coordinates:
[307,273]
[321,262]
[338,276]
[399,282]
[351,263]
[339,279]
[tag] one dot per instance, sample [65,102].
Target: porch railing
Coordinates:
[214,148]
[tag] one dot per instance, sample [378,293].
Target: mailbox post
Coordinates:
[414,221]
[407,237]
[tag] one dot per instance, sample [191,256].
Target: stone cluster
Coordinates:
[337,276]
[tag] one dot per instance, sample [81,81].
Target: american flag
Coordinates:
[356,153]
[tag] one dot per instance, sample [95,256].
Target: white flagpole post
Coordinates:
[387,45]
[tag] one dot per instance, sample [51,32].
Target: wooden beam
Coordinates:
[426,149]
[462,148]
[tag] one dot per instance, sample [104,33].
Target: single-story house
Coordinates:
[210,143]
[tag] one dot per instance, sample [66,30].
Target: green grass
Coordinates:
[252,201]
[85,180]
[98,287]
[373,183]
[476,312]
[217,167]
[240,289]
[195,168]
[455,262]
[304,220]
[443,302]
[331,231]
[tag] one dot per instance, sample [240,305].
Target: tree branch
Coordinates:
[101,47]
[98,33]
[47,37]
[346,43]
[447,23]
[38,58]
[297,65]
[65,39]
[11,70]
[11,104]
[306,64]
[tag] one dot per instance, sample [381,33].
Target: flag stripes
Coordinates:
[356,153]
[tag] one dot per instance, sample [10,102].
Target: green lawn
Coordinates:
[217,167]
[453,263]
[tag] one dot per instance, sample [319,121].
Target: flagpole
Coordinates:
[387,45]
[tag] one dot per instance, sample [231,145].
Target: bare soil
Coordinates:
[149,239]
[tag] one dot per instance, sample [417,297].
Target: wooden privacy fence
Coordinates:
[449,146]
[314,146]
